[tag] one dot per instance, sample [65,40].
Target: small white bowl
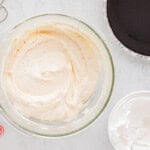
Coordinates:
[127,128]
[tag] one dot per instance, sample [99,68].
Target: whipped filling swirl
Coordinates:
[51,72]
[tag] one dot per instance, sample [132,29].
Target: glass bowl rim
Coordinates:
[30,132]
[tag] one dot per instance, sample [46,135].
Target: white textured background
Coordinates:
[132,73]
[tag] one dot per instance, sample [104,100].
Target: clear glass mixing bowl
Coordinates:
[97,103]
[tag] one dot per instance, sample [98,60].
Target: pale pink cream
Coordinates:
[51,72]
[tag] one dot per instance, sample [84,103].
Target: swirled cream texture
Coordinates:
[51,72]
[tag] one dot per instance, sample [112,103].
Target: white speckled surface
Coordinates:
[132,73]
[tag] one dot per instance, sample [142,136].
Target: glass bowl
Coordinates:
[97,103]
[127,122]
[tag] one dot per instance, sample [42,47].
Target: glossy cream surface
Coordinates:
[51,72]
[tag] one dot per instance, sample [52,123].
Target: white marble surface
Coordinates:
[132,73]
